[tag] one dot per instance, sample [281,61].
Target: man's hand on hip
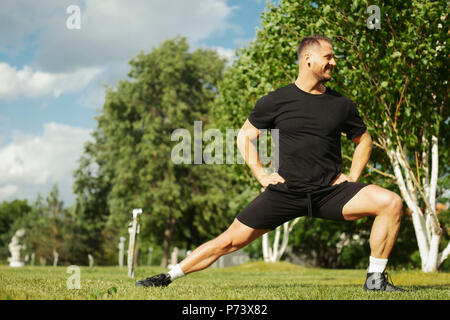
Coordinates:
[341,178]
[273,178]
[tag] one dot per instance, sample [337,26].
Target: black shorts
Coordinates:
[272,208]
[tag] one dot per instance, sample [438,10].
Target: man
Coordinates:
[310,118]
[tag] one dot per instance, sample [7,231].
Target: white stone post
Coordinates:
[133,230]
[121,251]
[91,260]
[149,258]
[55,258]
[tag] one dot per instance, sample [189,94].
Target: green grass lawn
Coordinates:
[251,281]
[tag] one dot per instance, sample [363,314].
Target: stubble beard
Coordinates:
[323,77]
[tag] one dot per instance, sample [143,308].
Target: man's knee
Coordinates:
[222,243]
[231,241]
[236,237]
[391,203]
[225,243]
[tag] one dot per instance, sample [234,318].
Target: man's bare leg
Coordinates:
[234,238]
[237,236]
[386,206]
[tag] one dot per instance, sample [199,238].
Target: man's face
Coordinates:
[321,61]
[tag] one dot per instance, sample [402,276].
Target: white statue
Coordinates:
[15,247]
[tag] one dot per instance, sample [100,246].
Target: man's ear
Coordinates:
[307,58]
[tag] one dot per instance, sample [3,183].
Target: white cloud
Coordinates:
[226,53]
[111,30]
[32,84]
[31,164]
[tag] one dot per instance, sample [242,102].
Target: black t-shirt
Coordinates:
[310,127]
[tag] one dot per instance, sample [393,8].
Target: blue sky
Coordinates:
[51,78]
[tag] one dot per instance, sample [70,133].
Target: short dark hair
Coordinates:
[309,41]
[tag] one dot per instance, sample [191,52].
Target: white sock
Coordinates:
[377,265]
[176,272]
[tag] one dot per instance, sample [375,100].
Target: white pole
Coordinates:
[133,231]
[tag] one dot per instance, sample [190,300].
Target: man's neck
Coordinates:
[310,85]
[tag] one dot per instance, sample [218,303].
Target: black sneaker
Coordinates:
[160,280]
[378,281]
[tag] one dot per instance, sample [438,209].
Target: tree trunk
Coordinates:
[274,254]
[426,223]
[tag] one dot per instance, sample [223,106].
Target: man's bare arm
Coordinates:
[246,135]
[360,158]
[361,155]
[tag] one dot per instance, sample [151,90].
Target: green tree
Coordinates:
[50,227]
[90,211]
[390,73]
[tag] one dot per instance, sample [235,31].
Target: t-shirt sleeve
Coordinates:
[353,126]
[262,116]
